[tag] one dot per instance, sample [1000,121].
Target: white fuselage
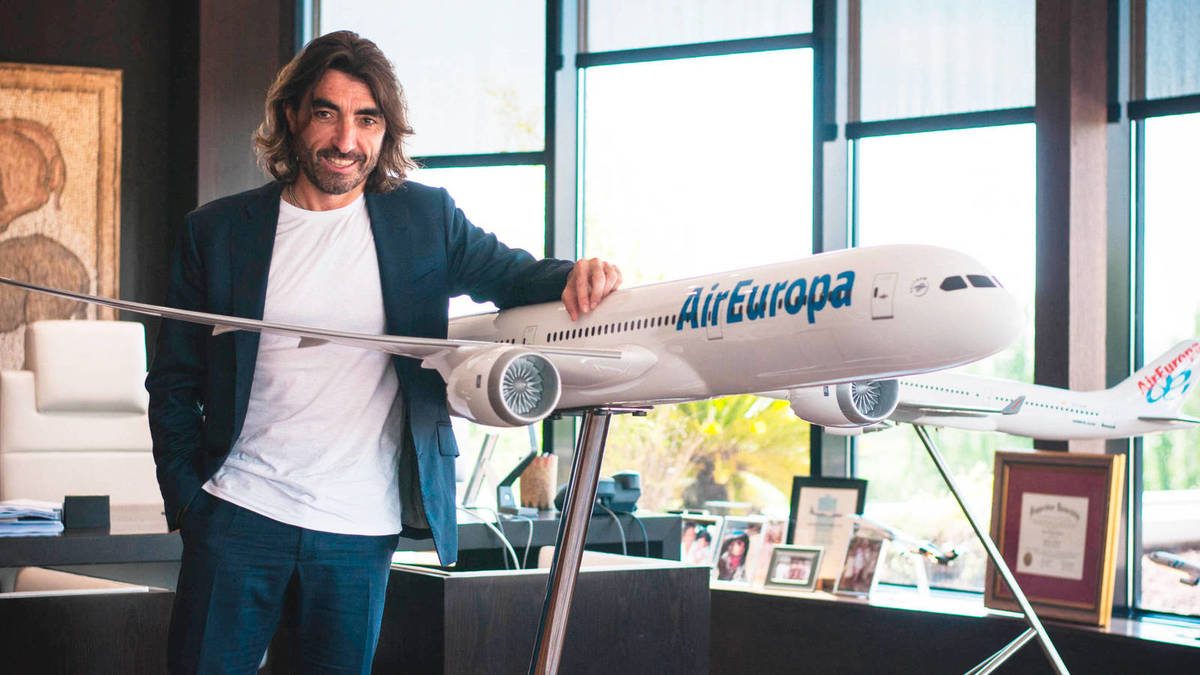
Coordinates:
[843,316]
[1048,413]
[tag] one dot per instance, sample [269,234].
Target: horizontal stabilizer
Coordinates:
[1180,419]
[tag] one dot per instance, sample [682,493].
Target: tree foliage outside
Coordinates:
[738,449]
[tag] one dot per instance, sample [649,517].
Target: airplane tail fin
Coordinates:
[1160,387]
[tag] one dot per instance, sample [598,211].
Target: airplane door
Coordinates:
[530,332]
[881,295]
[714,331]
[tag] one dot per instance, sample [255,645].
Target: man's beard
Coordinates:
[334,183]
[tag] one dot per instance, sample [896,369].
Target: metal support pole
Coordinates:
[985,539]
[991,663]
[568,548]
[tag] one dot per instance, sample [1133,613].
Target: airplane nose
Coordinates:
[984,320]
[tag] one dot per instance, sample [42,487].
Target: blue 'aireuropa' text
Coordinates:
[750,302]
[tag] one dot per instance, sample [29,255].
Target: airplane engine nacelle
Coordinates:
[504,387]
[855,404]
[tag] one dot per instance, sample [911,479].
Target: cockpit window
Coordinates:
[981,281]
[998,284]
[953,284]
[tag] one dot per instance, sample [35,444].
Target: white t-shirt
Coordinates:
[319,448]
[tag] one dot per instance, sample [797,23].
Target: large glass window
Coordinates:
[972,190]
[1171,306]
[1172,56]
[631,24]
[473,72]
[694,166]
[927,57]
[698,165]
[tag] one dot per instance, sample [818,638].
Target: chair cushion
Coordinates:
[23,428]
[87,366]
[126,477]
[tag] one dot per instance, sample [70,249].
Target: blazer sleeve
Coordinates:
[176,383]
[480,265]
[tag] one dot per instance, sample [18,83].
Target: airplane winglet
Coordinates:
[1014,406]
[221,330]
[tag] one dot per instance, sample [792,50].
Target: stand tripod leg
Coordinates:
[568,548]
[985,539]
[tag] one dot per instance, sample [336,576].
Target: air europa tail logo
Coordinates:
[1158,383]
[749,301]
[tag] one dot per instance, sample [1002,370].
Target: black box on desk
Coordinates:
[85,512]
[629,615]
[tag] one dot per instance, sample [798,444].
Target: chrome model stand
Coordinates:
[572,535]
[1035,629]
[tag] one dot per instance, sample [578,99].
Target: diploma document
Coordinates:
[1053,534]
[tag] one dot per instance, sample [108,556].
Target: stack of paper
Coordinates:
[27,517]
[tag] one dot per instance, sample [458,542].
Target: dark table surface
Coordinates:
[138,533]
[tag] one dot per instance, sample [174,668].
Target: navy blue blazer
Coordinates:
[428,251]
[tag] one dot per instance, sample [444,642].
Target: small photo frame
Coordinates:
[739,548]
[794,567]
[1054,520]
[698,539]
[819,516]
[860,563]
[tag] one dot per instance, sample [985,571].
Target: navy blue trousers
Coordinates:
[243,573]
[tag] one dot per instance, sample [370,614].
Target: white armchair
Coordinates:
[74,421]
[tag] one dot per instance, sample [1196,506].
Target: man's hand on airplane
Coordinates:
[589,282]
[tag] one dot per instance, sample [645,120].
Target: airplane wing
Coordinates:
[908,410]
[569,359]
[1182,419]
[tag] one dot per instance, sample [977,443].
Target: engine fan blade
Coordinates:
[522,386]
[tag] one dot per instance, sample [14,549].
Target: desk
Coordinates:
[127,633]
[139,535]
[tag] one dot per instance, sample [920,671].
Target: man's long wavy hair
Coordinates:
[358,57]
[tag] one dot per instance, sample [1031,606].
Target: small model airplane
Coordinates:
[1190,570]
[846,320]
[1148,401]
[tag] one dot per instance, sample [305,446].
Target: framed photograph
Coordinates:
[860,563]
[820,507]
[1054,520]
[698,539]
[774,533]
[794,567]
[740,546]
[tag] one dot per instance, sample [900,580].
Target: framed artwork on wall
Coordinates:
[60,181]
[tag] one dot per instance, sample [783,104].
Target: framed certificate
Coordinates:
[819,516]
[1054,519]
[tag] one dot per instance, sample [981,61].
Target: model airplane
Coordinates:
[1190,570]
[844,319]
[1148,401]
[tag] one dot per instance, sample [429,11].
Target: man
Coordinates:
[289,471]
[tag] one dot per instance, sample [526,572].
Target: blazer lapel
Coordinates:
[390,226]
[251,243]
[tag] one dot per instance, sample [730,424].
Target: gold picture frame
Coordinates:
[60,193]
[1054,519]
